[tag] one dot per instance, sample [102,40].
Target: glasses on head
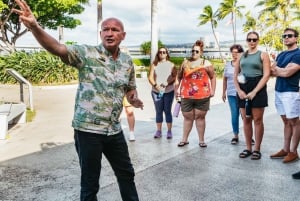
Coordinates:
[287,35]
[252,40]
[195,51]
[162,52]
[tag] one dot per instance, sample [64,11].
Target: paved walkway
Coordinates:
[38,161]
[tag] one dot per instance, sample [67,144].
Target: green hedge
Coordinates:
[37,67]
[42,68]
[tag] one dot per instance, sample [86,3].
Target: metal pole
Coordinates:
[21,92]
[61,34]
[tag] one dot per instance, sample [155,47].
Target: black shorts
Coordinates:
[261,98]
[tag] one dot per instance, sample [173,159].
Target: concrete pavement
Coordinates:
[38,161]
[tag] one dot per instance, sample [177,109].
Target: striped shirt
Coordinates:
[228,73]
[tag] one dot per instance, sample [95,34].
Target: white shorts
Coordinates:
[288,104]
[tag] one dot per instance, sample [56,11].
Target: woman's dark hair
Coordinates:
[251,32]
[238,47]
[199,43]
[156,59]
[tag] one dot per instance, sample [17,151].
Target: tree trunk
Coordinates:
[99,20]
[217,41]
[154,29]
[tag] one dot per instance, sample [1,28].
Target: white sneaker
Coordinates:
[131,136]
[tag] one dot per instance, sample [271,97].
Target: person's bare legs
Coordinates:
[131,121]
[169,126]
[158,126]
[296,134]
[248,130]
[257,114]
[287,130]
[187,124]
[130,117]
[200,124]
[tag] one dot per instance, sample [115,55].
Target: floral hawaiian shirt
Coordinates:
[195,83]
[103,83]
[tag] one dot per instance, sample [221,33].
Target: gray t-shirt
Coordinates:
[161,73]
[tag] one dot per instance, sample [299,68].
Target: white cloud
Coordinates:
[178,22]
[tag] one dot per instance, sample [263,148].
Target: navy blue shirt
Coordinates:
[285,84]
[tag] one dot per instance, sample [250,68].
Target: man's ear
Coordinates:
[124,35]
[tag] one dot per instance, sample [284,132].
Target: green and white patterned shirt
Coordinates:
[103,83]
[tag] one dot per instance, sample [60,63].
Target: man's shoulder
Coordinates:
[124,56]
[85,47]
[294,51]
[285,53]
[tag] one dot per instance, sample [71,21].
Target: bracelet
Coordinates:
[155,85]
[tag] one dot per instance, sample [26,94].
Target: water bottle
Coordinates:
[161,93]
[248,108]
[177,109]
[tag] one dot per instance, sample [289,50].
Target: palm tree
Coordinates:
[280,14]
[281,7]
[99,19]
[229,7]
[154,29]
[208,16]
[250,24]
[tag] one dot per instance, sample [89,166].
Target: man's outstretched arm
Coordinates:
[46,41]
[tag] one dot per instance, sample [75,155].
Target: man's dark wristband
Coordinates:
[155,85]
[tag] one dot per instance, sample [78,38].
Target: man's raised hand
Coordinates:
[26,16]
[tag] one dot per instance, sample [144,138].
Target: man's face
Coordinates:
[289,38]
[112,34]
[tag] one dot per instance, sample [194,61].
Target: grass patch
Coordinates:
[30,115]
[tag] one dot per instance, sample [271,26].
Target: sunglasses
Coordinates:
[287,35]
[195,51]
[252,40]
[162,52]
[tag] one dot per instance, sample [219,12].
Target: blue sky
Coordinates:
[177,22]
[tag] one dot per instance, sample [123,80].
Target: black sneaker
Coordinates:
[296,175]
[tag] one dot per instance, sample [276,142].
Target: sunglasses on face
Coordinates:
[287,35]
[252,40]
[195,51]
[162,52]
